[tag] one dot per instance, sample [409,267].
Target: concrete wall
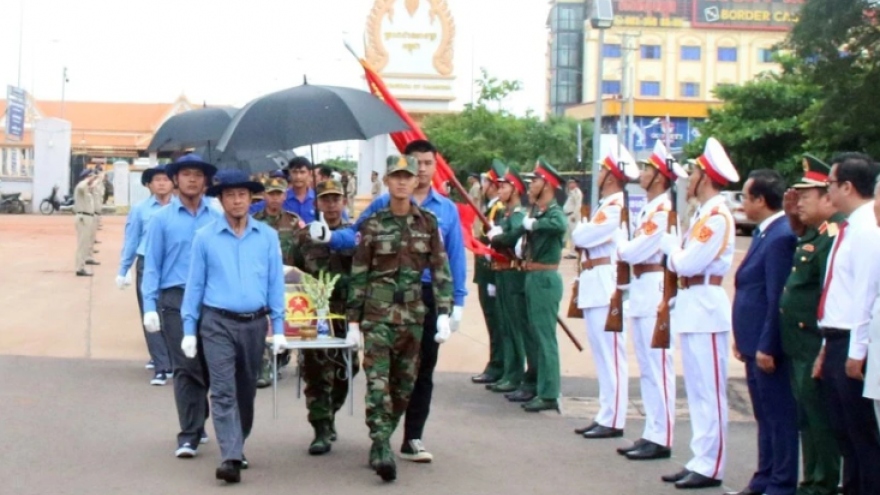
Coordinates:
[51,159]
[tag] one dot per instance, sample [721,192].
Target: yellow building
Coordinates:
[664,58]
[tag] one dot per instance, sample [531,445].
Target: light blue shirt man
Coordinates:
[167,249]
[450,228]
[238,274]
[136,232]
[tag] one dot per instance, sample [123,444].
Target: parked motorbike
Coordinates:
[52,203]
[11,203]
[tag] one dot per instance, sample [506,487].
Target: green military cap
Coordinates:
[275,184]
[815,173]
[513,177]
[496,171]
[331,186]
[546,171]
[405,163]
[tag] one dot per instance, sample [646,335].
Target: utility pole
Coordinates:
[627,90]
[63,85]
[20,39]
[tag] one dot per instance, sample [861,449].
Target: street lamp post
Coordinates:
[601,18]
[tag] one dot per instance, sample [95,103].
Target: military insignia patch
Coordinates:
[650,227]
[833,229]
[809,248]
[704,234]
[600,217]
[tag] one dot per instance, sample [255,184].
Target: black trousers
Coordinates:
[156,345]
[420,401]
[853,422]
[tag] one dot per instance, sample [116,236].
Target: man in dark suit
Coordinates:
[756,329]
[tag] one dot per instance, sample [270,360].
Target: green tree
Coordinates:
[761,123]
[840,40]
[341,163]
[470,140]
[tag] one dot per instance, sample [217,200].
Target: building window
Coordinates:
[727,54]
[610,87]
[650,88]
[611,50]
[690,53]
[690,90]
[765,55]
[651,52]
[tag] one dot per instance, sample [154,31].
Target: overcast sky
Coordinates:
[230,51]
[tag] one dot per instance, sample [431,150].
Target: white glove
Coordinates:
[490,289]
[620,236]
[188,345]
[487,257]
[493,232]
[151,322]
[457,312]
[518,249]
[529,223]
[279,343]
[319,231]
[122,281]
[353,336]
[669,243]
[443,329]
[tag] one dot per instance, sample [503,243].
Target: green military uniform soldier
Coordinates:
[816,222]
[487,287]
[286,224]
[543,232]
[519,344]
[324,371]
[395,246]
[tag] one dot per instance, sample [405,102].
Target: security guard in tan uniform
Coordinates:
[84,213]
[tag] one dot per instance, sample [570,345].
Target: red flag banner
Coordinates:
[444,174]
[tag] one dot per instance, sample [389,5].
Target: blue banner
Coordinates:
[648,130]
[15,105]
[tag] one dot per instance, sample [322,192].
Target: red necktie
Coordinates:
[821,311]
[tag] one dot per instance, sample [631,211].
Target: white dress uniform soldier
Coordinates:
[595,240]
[702,315]
[657,374]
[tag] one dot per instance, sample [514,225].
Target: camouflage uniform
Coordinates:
[324,370]
[386,299]
[287,224]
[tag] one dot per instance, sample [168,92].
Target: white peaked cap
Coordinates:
[658,160]
[624,166]
[717,165]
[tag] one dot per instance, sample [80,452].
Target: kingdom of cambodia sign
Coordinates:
[769,15]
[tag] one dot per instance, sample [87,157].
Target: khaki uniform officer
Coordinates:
[84,213]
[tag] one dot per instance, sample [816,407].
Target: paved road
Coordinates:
[78,416]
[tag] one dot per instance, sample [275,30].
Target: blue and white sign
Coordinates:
[15,105]
[647,130]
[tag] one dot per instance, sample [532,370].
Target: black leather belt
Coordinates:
[243,317]
[833,333]
[86,214]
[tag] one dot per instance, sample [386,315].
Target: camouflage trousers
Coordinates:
[391,363]
[326,384]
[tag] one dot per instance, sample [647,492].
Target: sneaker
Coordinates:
[159,378]
[185,451]
[204,439]
[150,365]
[414,451]
[169,374]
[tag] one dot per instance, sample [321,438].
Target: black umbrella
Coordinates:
[255,162]
[200,127]
[308,114]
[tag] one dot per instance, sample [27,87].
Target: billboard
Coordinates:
[15,105]
[651,13]
[761,15]
[677,131]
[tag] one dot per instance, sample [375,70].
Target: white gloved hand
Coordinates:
[319,231]
[443,329]
[488,257]
[279,343]
[490,290]
[529,223]
[620,236]
[669,243]
[188,346]
[518,249]
[353,336]
[123,281]
[458,311]
[493,232]
[151,322]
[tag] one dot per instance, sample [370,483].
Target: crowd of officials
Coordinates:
[801,319]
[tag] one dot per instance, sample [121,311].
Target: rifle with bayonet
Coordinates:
[662,330]
[614,321]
